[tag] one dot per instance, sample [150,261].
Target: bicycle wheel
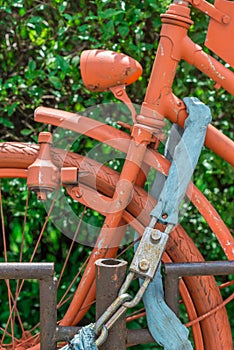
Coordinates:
[200,294]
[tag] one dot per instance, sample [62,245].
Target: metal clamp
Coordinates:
[150,250]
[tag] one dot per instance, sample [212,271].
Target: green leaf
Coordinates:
[63,6]
[62,64]
[67,17]
[22,11]
[32,65]
[123,31]
[26,132]
[11,108]
[6,122]
[56,82]
[110,13]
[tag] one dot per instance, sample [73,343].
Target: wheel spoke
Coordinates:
[43,227]
[6,260]
[71,247]
[12,301]
[61,302]
[211,312]
[13,311]
[128,247]
[3,228]
[20,260]
[24,228]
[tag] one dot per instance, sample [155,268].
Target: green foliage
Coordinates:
[40,49]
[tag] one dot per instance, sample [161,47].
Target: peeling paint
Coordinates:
[214,69]
[162,50]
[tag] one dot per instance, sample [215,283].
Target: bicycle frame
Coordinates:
[120,198]
[159,102]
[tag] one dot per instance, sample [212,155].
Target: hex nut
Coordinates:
[226,19]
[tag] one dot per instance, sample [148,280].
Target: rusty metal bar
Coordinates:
[134,336]
[174,271]
[172,293]
[110,274]
[139,336]
[44,272]
[48,313]
[26,270]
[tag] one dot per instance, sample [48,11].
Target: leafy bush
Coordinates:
[40,49]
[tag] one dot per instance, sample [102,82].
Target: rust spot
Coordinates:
[128,71]
[115,277]
[93,87]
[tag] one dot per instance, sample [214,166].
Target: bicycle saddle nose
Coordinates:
[103,69]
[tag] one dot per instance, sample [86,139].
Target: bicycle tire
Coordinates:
[215,331]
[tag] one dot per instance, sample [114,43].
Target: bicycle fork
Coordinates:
[128,177]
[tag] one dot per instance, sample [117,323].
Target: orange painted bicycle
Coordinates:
[119,201]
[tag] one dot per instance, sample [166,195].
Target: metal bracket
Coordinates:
[149,252]
[211,11]
[69,176]
[121,94]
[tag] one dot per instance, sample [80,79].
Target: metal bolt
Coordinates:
[144,265]
[155,236]
[226,19]
[76,192]
[119,93]
[41,196]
